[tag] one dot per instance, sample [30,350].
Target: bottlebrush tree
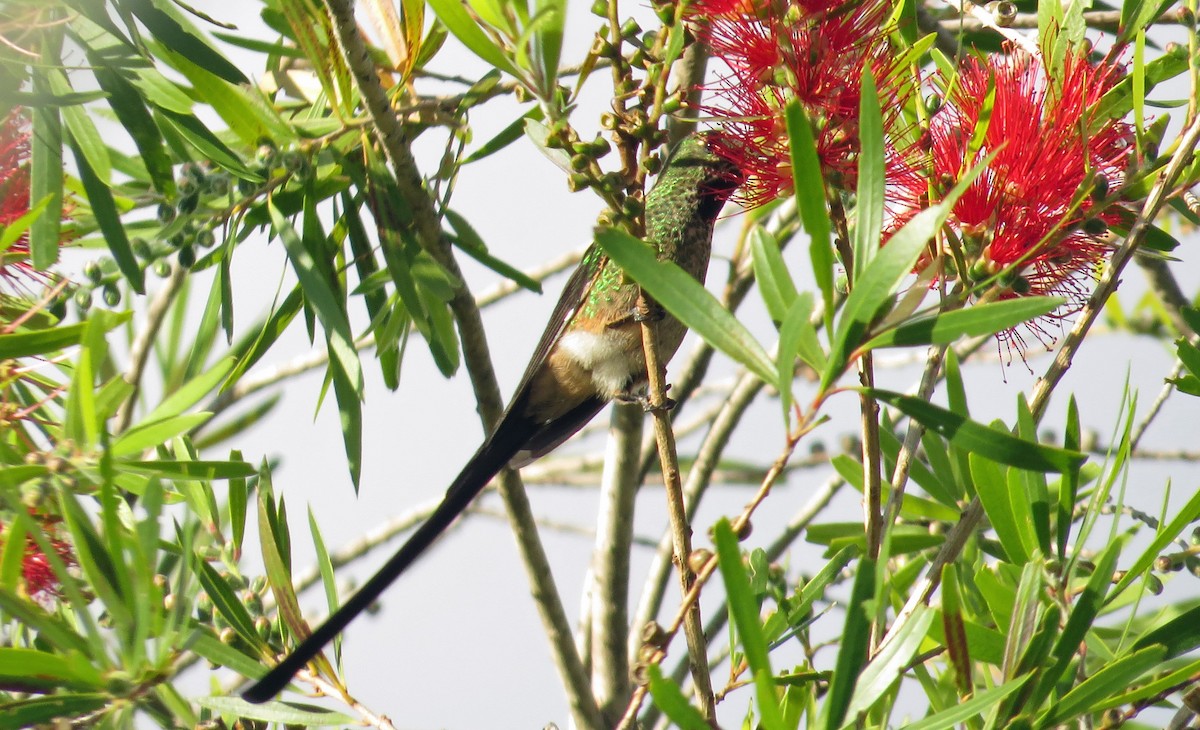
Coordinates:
[939,209]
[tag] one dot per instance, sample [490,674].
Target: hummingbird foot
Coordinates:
[642,398]
[653,313]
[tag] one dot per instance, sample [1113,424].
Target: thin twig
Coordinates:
[681,530]
[139,352]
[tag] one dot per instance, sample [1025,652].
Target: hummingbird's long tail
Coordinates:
[510,436]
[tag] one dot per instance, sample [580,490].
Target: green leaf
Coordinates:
[43,342]
[207,645]
[1186,515]
[147,435]
[1179,635]
[199,470]
[869,207]
[38,710]
[975,707]
[285,713]
[771,273]
[227,603]
[33,671]
[797,337]
[982,319]
[191,392]
[993,493]
[174,36]
[50,629]
[975,438]
[275,557]
[744,612]
[454,16]
[46,169]
[670,699]
[1113,678]
[688,301]
[852,654]
[809,186]
[208,144]
[888,666]
[320,295]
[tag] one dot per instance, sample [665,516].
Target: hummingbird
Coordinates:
[590,353]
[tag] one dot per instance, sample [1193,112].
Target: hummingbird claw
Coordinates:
[653,313]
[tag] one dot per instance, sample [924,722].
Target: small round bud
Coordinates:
[580,162]
[141,248]
[162,269]
[205,238]
[83,299]
[169,602]
[218,184]
[1095,226]
[699,558]
[227,635]
[93,272]
[188,203]
[187,257]
[654,634]
[166,214]
[745,531]
[112,295]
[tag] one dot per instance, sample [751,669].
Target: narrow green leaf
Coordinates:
[207,645]
[30,670]
[149,434]
[1186,515]
[208,144]
[285,713]
[796,337]
[975,438]
[688,301]
[975,707]
[50,628]
[227,603]
[852,655]
[173,35]
[38,710]
[317,291]
[944,328]
[454,16]
[869,207]
[190,393]
[46,168]
[993,493]
[771,273]
[1113,678]
[670,699]
[744,612]
[191,470]
[888,666]
[276,559]
[809,186]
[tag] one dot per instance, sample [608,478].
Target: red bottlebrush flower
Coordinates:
[14,194]
[813,51]
[1032,207]
[41,582]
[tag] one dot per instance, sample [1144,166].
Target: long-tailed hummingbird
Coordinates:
[590,353]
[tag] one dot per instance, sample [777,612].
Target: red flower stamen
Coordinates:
[1032,207]
[813,51]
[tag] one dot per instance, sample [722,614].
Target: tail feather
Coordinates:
[509,438]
